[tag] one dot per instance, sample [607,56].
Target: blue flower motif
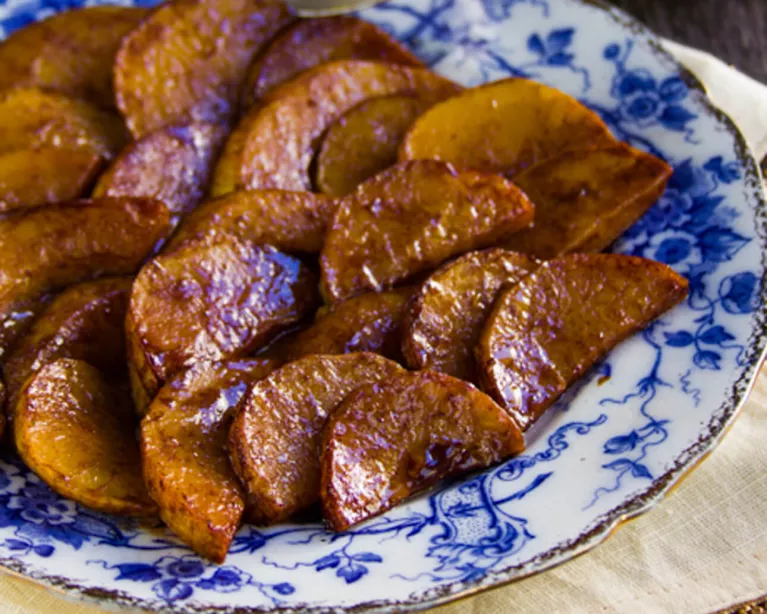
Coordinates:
[225,580]
[674,247]
[645,102]
[41,506]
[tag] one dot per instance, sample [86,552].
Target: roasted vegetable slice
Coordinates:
[365,142]
[370,322]
[412,218]
[71,52]
[183,451]
[393,438]
[284,133]
[53,247]
[215,301]
[75,431]
[548,330]
[311,42]
[33,177]
[275,439]
[172,164]
[187,61]
[85,322]
[32,118]
[291,221]
[504,127]
[445,319]
[586,199]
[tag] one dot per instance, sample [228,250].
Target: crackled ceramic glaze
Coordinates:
[610,449]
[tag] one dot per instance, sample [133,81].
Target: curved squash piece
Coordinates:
[173,165]
[445,319]
[290,221]
[586,199]
[549,329]
[85,322]
[393,438]
[183,452]
[212,302]
[504,127]
[275,439]
[72,52]
[53,247]
[37,176]
[187,61]
[411,219]
[311,42]
[75,431]
[284,133]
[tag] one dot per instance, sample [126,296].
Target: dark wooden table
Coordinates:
[734,30]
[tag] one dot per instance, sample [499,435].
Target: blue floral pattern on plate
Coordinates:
[610,448]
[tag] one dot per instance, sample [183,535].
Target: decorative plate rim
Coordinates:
[606,525]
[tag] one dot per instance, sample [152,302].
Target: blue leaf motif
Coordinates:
[138,572]
[535,44]
[15,544]
[638,470]
[557,40]
[707,360]
[720,244]
[621,464]
[611,51]
[675,117]
[679,339]
[673,89]
[172,590]
[726,173]
[284,589]
[351,573]
[684,177]
[330,561]
[716,335]
[367,557]
[622,443]
[44,550]
[64,534]
[559,59]
[94,526]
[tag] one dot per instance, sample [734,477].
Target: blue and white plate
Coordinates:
[611,450]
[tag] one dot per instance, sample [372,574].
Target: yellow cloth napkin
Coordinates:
[702,549]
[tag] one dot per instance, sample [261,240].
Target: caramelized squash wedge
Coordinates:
[53,247]
[391,439]
[411,219]
[290,221]
[32,118]
[183,452]
[284,133]
[85,322]
[549,329]
[365,142]
[311,42]
[214,301]
[445,318]
[72,52]
[504,127]
[187,61]
[586,199]
[75,431]
[370,322]
[33,177]
[275,439]
[172,164]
